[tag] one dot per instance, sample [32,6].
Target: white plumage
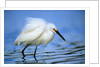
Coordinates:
[37,31]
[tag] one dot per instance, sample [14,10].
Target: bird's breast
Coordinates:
[47,37]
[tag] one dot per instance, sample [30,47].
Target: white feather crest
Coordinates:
[29,31]
[33,23]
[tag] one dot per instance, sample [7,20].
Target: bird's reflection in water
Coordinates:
[23,57]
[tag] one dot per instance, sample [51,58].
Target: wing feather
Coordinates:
[33,29]
[29,36]
[33,23]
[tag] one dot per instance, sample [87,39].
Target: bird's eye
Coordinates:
[55,29]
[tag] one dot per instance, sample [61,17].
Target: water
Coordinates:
[73,53]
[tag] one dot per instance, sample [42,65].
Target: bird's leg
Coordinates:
[35,54]
[24,50]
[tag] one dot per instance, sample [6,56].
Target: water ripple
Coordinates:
[58,55]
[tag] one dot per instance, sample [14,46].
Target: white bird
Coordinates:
[37,31]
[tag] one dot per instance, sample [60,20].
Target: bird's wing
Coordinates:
[29,27]
[33,23]
[33,29]
[30,35]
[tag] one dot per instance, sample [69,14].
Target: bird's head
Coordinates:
[52,27]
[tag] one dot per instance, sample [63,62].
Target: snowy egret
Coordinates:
[37,31]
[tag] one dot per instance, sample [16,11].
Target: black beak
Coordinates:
[60,35]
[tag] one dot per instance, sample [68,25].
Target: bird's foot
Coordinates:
[35,59]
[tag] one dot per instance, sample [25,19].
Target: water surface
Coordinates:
[73,53]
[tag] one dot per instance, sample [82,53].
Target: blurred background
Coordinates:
[70,23]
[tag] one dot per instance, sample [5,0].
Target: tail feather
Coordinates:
[17,43]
